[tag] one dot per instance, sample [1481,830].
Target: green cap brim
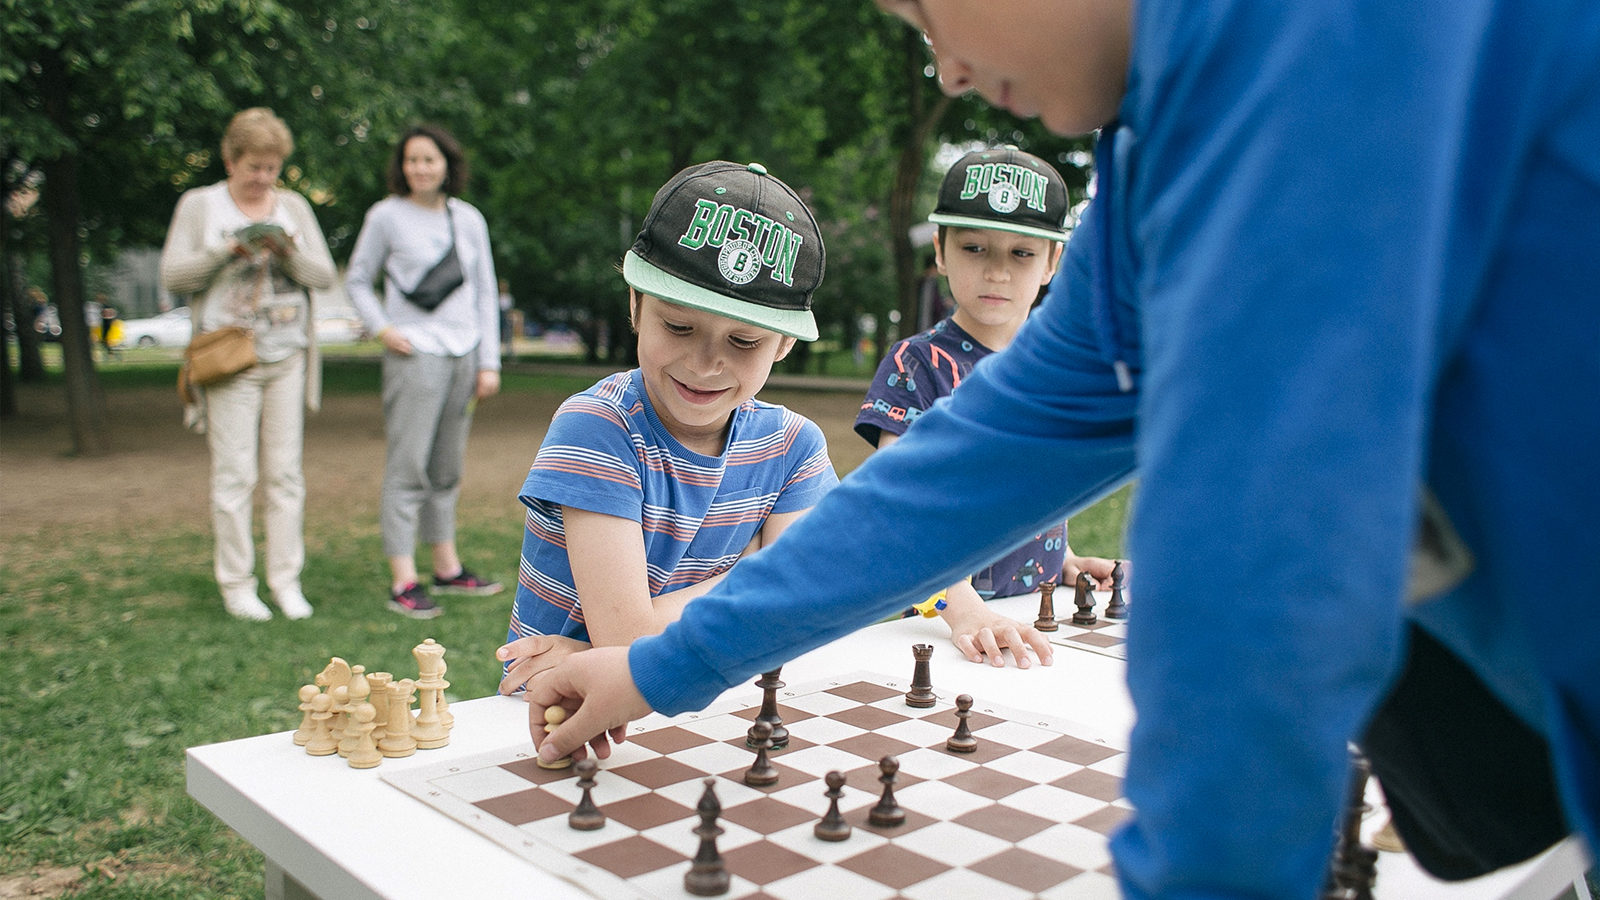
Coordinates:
[796,323]
[950,221]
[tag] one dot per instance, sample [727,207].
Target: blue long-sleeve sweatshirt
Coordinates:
[1348,256]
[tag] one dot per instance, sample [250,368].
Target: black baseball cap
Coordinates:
[1006,189]
[732,240]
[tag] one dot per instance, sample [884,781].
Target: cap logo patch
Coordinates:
[739,262]
[1007,186]
[748,242]
[1004,197]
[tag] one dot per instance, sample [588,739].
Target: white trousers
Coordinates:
[255,426]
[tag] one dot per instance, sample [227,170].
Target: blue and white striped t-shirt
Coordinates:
[607,452]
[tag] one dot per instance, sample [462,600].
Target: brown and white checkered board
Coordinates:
[1107,637]
[1026,815]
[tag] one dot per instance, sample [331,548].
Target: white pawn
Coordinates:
[364,755]
[553,716]
[321,742]
[303,733]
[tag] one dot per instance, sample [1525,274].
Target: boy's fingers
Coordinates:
[968,649]
[523,646]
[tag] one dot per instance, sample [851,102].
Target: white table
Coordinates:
[331,831]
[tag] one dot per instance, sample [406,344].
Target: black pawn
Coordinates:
[1116,607]
[586,816]
[833,827]
[1047,608]
[1083,599]
[707,875]
[962,741]
[769,685]
[887,814]
[761,773]
[921,694]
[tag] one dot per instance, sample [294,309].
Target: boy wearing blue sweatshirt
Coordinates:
[651,484]
[1334,300]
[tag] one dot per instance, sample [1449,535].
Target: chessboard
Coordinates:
[1107,637]
[1026,814]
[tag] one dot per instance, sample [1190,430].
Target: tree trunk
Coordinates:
[86,402]
[907,174]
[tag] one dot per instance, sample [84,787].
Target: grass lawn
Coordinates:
[118,655]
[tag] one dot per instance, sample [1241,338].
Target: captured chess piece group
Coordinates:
[708,875]
[365,717]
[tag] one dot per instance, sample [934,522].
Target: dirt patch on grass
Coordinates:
[41,881]
[158,472]
[64,881]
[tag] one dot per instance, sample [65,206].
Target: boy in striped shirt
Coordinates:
[651,484]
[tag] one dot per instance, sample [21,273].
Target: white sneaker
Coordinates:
[293,604]
[246,606]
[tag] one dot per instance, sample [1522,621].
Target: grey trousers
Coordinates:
[427,412]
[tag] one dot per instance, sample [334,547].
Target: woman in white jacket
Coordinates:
[254,421]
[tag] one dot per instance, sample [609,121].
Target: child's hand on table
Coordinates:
[980,632]
[531,655]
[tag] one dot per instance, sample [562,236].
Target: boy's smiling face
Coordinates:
[1062,61]
[994,278]
[699,366]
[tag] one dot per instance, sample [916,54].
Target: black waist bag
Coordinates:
[442,280]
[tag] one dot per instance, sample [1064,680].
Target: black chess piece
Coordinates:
[769,685]
[586,816]
[833,827]
[1047,608]
[707,875]
[1353,869]
[1117,607]
[761,773]
[1083,599]
[921,694]
[962,741]
[887,814]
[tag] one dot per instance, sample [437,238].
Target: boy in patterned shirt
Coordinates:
[1002,221]
[651,484]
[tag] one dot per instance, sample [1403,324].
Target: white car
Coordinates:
[338,328]
[170,329]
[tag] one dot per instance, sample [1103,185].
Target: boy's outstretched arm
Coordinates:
[597,692]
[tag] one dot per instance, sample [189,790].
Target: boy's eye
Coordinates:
[744,343]
[972,248]
[1022,253]
[675,328]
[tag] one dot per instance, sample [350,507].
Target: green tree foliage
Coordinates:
[573,114]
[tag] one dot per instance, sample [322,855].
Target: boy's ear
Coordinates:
[785,344]
[633,310]
[1055,259]
[938,251]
